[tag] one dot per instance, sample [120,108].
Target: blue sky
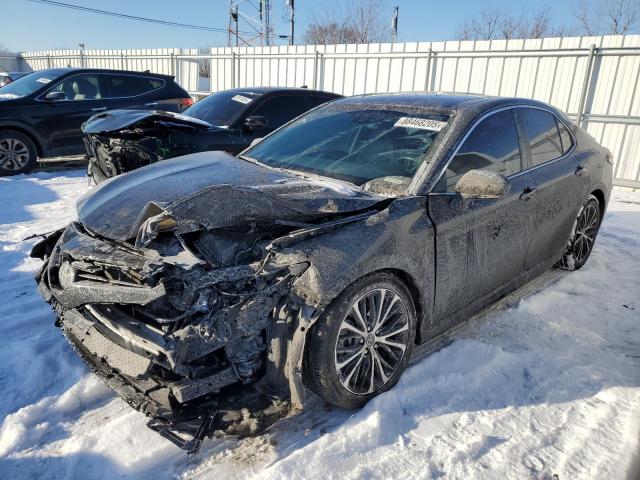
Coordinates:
[32,26]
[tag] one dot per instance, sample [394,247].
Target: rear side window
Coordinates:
[492,145]
[565,137]
[131,86]
[542,134]
[279,110]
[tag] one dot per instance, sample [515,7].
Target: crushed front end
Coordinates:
[198,330]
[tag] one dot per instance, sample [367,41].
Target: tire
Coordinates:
[583,235]
[338,361]
[18,154]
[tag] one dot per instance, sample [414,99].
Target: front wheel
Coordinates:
[362,343]
[583,235]
[18,154]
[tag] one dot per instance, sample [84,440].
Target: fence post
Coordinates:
[233,68]
[122,64]
[48,61]
[427,80]
[315,70]
[82,58]
[587,82]
[172,61]
[321,71]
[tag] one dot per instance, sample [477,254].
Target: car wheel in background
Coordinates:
[363,341]
[18,154]
[583,235]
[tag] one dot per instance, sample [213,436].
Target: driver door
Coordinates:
[61,120]
[481,243]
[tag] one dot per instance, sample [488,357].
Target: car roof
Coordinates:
[444,101]
[67,70]
[270,90]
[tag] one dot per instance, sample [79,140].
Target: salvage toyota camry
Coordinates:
[210,290]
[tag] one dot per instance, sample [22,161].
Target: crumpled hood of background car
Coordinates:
[215,189]
[115,120]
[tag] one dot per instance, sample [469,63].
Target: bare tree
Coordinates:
[613,17]
[361,22]
[493,24]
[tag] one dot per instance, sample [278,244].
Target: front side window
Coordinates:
[131,86]
[79,87]
[279,110]
[542,134]
[355,143]
[492,145]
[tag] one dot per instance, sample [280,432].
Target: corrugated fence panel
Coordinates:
[552,70]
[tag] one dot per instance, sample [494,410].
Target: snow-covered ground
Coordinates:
[545,386]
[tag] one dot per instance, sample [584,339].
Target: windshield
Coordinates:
[356,143]
[221,108]
[28,84]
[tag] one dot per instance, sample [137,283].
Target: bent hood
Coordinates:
[212,190]
[115,120]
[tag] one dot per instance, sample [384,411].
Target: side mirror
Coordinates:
[55,96]
[482,184]
[255,121]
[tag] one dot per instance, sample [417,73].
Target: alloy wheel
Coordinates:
[372,341]
[14,154]
[586,230]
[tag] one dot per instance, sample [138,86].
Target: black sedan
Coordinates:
[123,140]
[210,290]
[41,113]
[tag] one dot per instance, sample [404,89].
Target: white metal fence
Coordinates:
[593,79]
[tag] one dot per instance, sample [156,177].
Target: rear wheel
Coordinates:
[362,343]
[18,154]
[583,235]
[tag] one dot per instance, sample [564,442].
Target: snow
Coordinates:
[545,384]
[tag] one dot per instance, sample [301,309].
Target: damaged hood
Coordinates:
[213,190]
[115,120]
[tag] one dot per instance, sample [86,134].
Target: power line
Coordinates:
[129,17]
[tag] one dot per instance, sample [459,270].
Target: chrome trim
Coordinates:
[498,110]
[40,97]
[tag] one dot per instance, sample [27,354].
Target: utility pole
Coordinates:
[266,22]
[394,24]
[291,5]
[234,19]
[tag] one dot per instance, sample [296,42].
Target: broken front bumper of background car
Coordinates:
[198,347]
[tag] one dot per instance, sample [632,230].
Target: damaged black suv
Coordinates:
[210,290]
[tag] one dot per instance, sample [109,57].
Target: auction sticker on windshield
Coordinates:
[241,99]
[421,123]
[43,80]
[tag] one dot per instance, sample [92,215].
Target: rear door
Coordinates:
[562,180]
[481,246]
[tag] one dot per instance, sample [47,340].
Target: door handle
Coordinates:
[528,193]
[151,104]
[581,170]
[99,109]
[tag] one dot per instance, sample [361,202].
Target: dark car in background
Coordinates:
[7,77]
[209,289]
[41,113]
[123,140]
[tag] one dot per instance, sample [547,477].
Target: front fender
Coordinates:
[399,238]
